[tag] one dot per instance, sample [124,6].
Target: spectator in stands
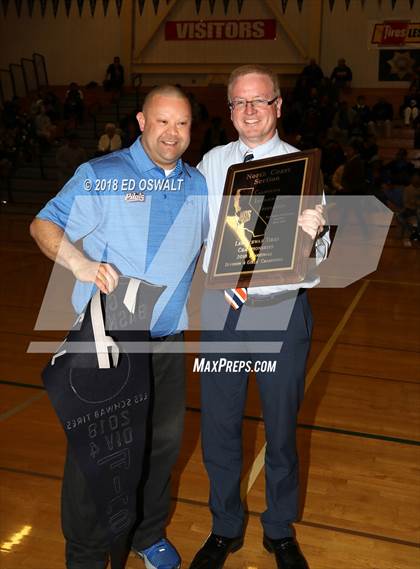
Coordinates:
[410,106]
[74,107]
[400,169]
[377,180]
[313,74]
[52,106]
[69,157]
[341,75]
[332,157]
[362,117]
[50,102]
[45,130]
[343,123]
[215,135]
[336,182]
[109,141]
[411,210]
[382,115]
[369,150]
[353,179]
[399,172]
[114,77]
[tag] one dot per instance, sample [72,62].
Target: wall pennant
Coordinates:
[80,6]
[212,3]
[5,4]
[300,4]
[156,5]
[240,4]
[92,5]
[18,4]
[31,4]
[105,4]
[43,7]
[119,6]
[55,7]
[284,5]
[226,6]
[67,5]
[331,3]
[197,6]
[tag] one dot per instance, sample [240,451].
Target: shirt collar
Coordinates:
[145,164]
[260,151]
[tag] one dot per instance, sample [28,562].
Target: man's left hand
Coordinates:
[312,221]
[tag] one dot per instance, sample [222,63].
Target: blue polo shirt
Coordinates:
[149,226]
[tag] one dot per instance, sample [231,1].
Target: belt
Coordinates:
[164,338]
[270,299]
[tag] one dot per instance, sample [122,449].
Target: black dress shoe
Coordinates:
[287,552]
[214,552]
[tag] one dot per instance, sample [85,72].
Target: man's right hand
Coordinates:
[102,274]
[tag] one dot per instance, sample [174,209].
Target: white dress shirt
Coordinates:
[214,167]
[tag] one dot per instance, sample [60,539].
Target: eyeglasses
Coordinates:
[240,104]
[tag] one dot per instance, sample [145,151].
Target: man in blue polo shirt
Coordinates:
[140,212]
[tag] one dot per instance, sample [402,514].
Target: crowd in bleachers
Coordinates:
[319,112]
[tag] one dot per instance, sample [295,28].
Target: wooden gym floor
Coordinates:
[358,435]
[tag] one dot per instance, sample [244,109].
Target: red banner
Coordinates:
[396,33]
[220,30]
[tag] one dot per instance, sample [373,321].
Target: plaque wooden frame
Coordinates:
[295,179]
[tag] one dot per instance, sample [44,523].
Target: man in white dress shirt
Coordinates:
[255,103]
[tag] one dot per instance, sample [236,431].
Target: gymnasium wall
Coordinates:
[80,47]
[75,48]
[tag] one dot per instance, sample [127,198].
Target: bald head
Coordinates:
[165,123]
[165,91]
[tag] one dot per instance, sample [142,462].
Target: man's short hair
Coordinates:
[165,90]
[259,70]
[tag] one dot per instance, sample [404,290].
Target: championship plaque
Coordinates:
[257,236]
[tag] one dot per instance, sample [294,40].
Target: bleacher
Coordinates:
[32,184]
[401,136]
